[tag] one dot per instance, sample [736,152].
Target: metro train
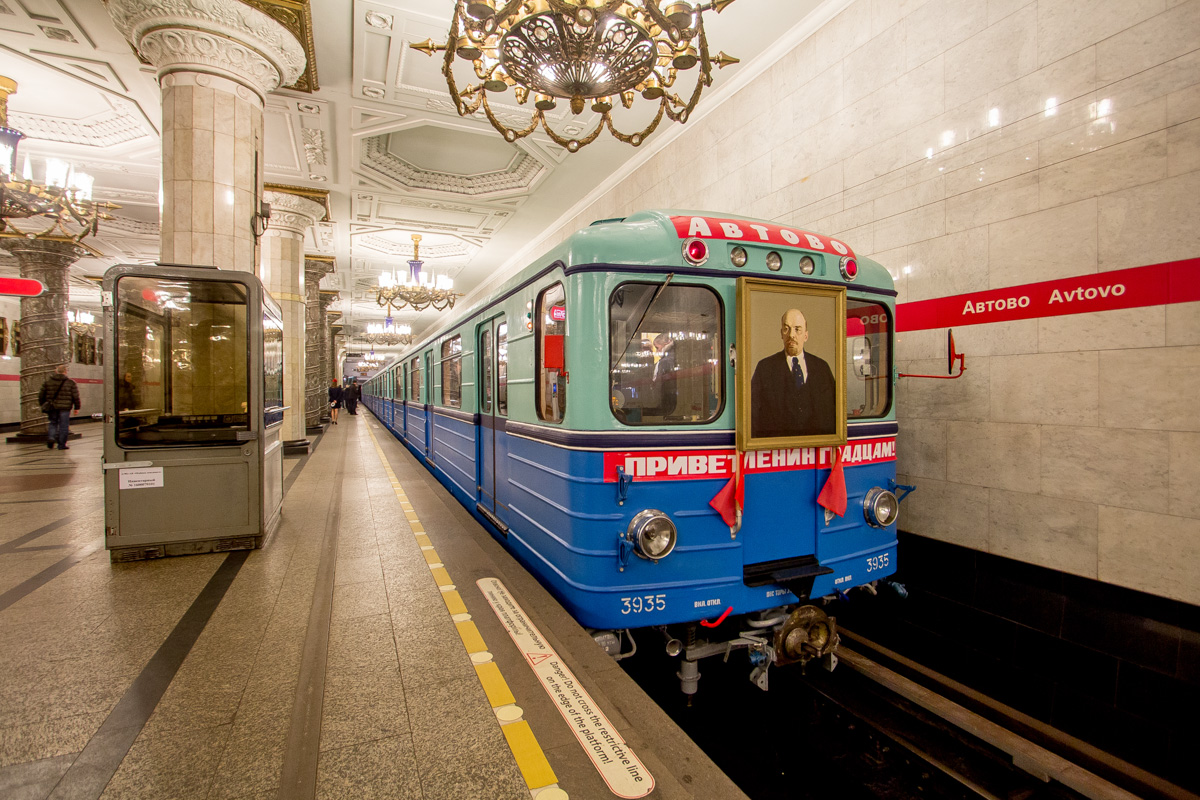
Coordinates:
[594,415]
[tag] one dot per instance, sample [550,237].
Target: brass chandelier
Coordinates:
[388,334]
[602,51]
[65,198]
[418,290]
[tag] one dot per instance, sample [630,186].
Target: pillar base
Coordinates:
[296,447]
[314,430]
[36,438]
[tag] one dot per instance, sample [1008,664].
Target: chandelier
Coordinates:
[369,362]
[65,197]
[602,51]
[417,290]
[82,323]
[388,334]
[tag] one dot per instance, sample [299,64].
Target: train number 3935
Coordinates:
[643,604]
[877,562]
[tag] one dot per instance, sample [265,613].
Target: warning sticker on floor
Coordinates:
[625,775]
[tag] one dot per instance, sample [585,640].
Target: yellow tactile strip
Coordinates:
[535,769]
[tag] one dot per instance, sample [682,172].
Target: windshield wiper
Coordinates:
[642,319]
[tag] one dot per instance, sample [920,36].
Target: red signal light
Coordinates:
[695,251]
[849,268]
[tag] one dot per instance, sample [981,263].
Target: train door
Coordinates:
[402,399]
[488,414]
[427,406]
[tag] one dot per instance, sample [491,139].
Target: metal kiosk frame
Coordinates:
[193,409]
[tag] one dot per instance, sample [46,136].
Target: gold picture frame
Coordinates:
[775,409]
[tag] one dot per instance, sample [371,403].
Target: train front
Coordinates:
[756,361]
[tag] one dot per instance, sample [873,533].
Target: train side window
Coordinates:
[868,359]
[452,372]
[665,354]
[414,382]
[502,368]
[552,353]
[485,370]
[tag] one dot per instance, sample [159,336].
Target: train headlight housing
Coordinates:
[807,265]
[881,507]
[738,256]
[774,261]
[652,533]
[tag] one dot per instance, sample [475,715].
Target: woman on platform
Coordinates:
[335,400]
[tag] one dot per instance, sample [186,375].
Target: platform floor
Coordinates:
[327,664]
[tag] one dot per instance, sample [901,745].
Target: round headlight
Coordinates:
[881,507]
[653,534]
[737,256]
[807,265]
[774,261]
[695,252]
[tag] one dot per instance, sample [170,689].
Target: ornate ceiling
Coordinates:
[369,121]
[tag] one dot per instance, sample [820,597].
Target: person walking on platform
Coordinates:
[57,397]
[335,400]
[352,393]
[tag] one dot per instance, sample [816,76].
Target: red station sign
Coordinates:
[21,287]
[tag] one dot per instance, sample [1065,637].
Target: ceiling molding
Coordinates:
[296,16]
[519,176]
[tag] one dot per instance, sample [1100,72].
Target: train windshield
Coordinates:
[868,360]
[664,354]
[183,363]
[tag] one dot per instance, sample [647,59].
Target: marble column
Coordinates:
[327,319]
[45,341]
[216,61]
[281,269]
[315,267]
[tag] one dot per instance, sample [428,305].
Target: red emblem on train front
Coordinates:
[760,232]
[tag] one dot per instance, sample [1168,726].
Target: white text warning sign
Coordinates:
[625,775]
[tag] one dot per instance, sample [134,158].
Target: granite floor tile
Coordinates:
[357,570]
[362,706]
[42,740]
[34,780]
[360,643]
[431,655]
[384,769]
[168,767]
[359,600]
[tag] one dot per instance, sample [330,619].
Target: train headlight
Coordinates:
[652,533]
[738,256]
[807,265]
[774,261]
[881,507]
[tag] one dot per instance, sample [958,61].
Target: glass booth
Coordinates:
[193,406]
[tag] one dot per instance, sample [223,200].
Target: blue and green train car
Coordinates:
[587,413]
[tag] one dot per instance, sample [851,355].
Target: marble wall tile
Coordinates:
[1047,389]
[877,62]
[1149,43]
[999,9]
[993,57]
[1045,245]
[1183,323]
[921,194]
[992,169]
[949,512]
[917,225]
[914,98]
[1121,166]
[1074,76]
[966,398]
[1183,148]
[1150,389]
[1065,26]
[920,348]
[994,454]
[880,161]
[954,20]
[886,13]
[806,217]
[1014,197]
[1183,105]
[813,187]
[1150,224]
[859,193]
[222,156]
[1123,122]
[956,263]
[1106,330]
[928,158]
[1105,466]
[1049,531]
[1153,553]
[997,339]
[921,449]
[1184,474]
[816,99]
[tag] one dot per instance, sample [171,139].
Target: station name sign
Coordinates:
[757,233]
[1154,285]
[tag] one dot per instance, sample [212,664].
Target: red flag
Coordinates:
[833,493]
[732,497]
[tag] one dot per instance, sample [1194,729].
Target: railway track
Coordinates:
[883,726]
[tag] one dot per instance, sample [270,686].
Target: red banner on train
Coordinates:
[1155,285]
[757,232]
[682,465]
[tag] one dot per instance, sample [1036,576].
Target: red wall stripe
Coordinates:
[1154,285]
